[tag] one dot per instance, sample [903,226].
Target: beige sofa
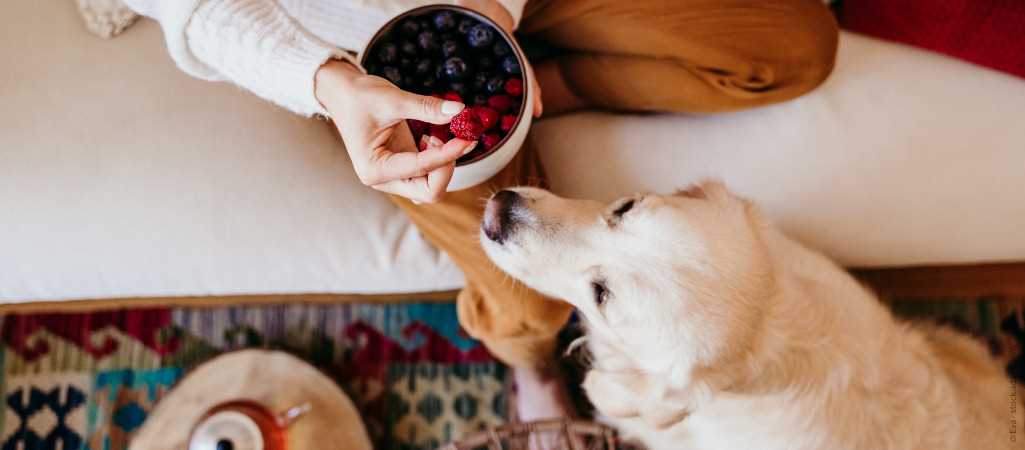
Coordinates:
[122,177]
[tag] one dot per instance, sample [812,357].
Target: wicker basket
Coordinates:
[542,435]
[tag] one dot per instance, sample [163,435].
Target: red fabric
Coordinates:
[986,32]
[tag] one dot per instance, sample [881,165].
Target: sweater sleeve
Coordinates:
[258,46]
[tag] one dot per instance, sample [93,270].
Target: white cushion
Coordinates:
[902,157]
[122,177]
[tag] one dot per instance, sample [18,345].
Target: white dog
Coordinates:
[709,329]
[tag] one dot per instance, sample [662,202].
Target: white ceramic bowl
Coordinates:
[484,165]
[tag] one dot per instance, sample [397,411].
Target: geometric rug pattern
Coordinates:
[86,381]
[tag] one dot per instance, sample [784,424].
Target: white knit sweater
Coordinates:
[273,47]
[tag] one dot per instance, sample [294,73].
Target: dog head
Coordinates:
[664,283]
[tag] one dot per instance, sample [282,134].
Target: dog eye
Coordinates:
[624,208]
[601,293]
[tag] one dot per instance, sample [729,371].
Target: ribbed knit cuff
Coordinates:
[296,69]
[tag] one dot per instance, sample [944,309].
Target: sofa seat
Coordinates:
[120,176]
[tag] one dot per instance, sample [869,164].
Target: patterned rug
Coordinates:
[87,380]
[78,381]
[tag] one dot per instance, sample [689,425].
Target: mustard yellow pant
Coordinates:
[696,56]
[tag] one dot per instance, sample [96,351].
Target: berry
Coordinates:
[495,85]
[392,74]
[488,117]
[486,62]
[423,67]
[464,26]
[480,99]
[409,28]
[427,41]
[449,48]
[466,125]
[511,65]
[459,87]
[418,127]
[490,140]
[480,36]
[387,53]
[514,86]
[408,47]
[502,103]
[455,68]
[429,83]
[441,132]
[407,82]
[444,21]
[479,81]
[508,122]
[405,62]
[501,49]
[454,96]
[439,71]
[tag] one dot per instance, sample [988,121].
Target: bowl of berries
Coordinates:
[457,54]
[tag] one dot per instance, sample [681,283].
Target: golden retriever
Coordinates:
[709,329]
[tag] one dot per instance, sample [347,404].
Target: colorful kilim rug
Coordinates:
[87,380]
[77,381]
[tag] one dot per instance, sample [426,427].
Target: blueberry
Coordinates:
[501,49]
[459,87]
[480,36]
[455,68]
[408,82]
[479,81]
[427,41]
[450,36]
[449,48]
[486,62]
[495,85]
[511,65]
[409,28]
[439,71]
[444,21]
[423,67]
[465,25]
[429,83]
[387,53]
[392,74]
[373,69]
[408,47]
[480,99]
[405,62]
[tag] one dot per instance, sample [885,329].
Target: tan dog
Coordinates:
[709,329]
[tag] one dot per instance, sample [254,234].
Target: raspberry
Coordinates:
[490,140]
[502,103]
[441,132]
[488,117]
[454,96]
[466,125]
[508,121]
[514,86]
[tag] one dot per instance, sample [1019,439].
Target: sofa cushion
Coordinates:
[120,176]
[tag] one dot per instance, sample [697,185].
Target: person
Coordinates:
[687,56]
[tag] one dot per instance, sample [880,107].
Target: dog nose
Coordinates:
[498,218]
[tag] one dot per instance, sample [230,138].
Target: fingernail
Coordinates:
[449,107]
[469,148]
[435,142]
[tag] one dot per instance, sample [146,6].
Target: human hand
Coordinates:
[370,114]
